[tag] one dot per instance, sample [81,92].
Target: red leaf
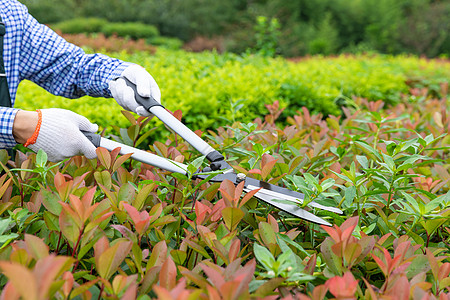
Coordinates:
[248,196]
[444,271]
[311,264]
[255,171]
[162,293]
[343,287]
[334,232]
[168,274]
[271,220]
[267,164]
[216,213]
[159,254]
[238,192]
[214,276]
[21,278]
[114,153]
[118,162]
[433,264]
[350,223]
[10,293]
[234,250]
[380,264]
[68,283]
[104,157]
[201,210]
[400,290]
[320,292]
[36,247]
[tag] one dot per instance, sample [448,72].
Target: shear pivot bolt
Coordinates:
[240,177]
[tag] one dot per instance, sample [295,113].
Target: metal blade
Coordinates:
[289,208]
[277,192]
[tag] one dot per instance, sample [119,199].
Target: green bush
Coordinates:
[130,30]
[50,11]
[166,42]
[212,89]
[115,228]
[80,25]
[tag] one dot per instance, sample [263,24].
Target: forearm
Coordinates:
[24,125]
[63,68]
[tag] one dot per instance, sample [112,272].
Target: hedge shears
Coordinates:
[273,195]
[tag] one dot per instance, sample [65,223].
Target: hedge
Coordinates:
[133,30]
[213,89]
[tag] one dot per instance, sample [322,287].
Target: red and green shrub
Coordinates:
[114,228]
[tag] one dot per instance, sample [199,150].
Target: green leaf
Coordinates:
[179,256]
[6,239]
[368,149]
[142,195]
[41,158]
[158,256]
[50,202]
[108,262]
[103,178]
[126,193]
[264,256]
[267,233]
[350,194]
[363,161]
[418,265]
[232,216]
[327,183]
[4,224]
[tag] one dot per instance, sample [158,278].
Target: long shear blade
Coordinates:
[277,192]
[289,208]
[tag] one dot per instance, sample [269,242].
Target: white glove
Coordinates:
[145,86]
[60,135]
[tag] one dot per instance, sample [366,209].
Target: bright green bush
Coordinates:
[166,42]
[131,30]
[213,89]
[80,25]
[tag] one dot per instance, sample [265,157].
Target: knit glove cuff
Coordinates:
[60,135]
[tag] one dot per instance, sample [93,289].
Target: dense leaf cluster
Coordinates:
[213,90]
[114,228]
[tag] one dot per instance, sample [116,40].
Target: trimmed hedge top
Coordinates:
[214,89]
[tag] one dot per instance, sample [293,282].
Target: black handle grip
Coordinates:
[93,138]
[146,102]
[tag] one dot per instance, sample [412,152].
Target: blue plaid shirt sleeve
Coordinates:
[7,116]
[63,68]
[33,51]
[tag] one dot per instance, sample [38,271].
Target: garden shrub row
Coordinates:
[214,90]
[133,30]
[113,228]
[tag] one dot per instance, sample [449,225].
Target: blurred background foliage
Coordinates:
[295,27]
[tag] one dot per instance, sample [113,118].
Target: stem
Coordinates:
[282,222]
[391,192]
[101,292]
[78,242]
[375,142]
[59,240]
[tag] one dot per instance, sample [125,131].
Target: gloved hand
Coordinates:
[60,135]
[145,86]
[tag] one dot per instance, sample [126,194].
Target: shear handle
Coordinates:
[167,118]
